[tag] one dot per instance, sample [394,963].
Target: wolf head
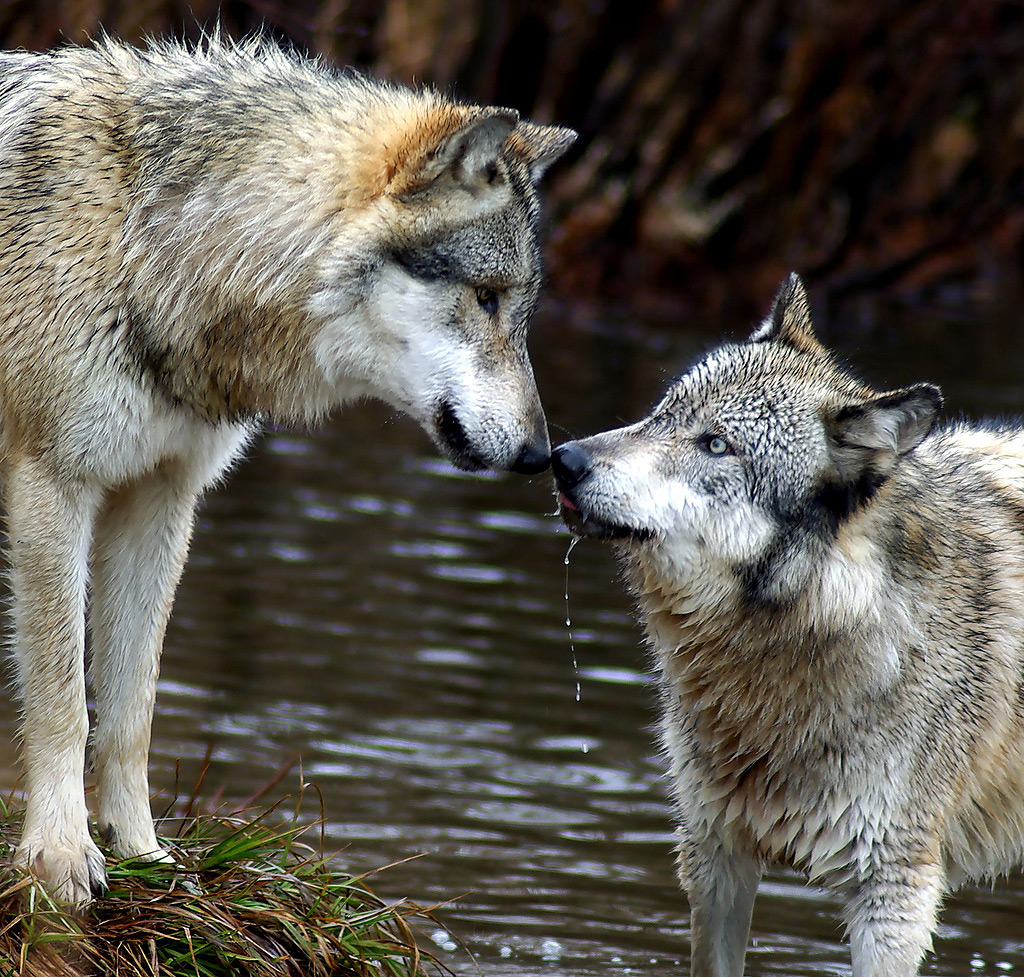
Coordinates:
[452,279]
[749,465]
[319,236]
[288,237]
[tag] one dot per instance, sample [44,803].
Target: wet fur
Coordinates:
[836,609]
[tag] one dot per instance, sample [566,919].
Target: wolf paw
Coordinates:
[152,852]
[72,876]
[137,841]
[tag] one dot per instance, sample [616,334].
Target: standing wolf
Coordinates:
[192,241]
[834,593]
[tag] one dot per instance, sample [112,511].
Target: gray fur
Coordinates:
[833,589]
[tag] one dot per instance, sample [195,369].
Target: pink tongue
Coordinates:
[563,498]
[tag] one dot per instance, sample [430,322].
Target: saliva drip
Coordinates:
[568,620]
[584,746]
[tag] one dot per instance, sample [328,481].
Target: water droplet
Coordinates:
[568,617]
[443,940]
[573,540]
[550,950]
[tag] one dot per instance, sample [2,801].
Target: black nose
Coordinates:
[532,459]
[570,463]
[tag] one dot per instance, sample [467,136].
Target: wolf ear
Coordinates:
[539,146]
[868,439]
[790,318]
[470,154]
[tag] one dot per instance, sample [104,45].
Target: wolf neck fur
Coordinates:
[735,665]
[739,692]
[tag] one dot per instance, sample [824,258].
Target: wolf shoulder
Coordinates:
[950,534]
[964,470]
[949,524]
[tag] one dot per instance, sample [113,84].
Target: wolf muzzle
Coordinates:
[570,464]
[533,459]
[533,456]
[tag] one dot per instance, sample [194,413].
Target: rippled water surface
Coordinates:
[353,602]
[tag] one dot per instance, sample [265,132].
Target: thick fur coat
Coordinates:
[833,589]
[193,241]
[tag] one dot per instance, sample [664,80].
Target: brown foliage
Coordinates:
[723,142]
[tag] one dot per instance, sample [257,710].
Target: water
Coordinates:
[399,629]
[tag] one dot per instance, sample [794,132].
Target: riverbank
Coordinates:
[251,896]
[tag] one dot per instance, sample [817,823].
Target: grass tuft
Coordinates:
[248,897]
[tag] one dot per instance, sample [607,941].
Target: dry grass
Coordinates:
[248,898]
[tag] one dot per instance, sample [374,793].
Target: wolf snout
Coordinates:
[473,450]
[570,464]
[533,459]
[535,454]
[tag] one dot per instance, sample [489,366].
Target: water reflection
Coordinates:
[354,602]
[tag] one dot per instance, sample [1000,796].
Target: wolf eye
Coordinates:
[488,299]
[716,445]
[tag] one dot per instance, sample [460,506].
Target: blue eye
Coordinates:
[717,445]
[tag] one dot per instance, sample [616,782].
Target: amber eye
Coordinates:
[488,299]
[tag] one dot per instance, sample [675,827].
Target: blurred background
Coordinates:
[871,145]
[419,642]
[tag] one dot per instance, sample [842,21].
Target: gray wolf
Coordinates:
[832,586]
[192,242]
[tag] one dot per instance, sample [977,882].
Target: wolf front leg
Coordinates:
[50,524]
[141,541]
[892,915]
[721,887]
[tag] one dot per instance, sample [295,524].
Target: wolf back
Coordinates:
[833,589]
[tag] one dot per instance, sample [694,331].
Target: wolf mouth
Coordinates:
[455,441]
[581,523]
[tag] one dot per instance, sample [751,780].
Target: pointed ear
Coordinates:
[469,155]
[539,146]
[868,439]
[790,318]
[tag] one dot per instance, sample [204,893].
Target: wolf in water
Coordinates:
[833,589]
[194,240]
